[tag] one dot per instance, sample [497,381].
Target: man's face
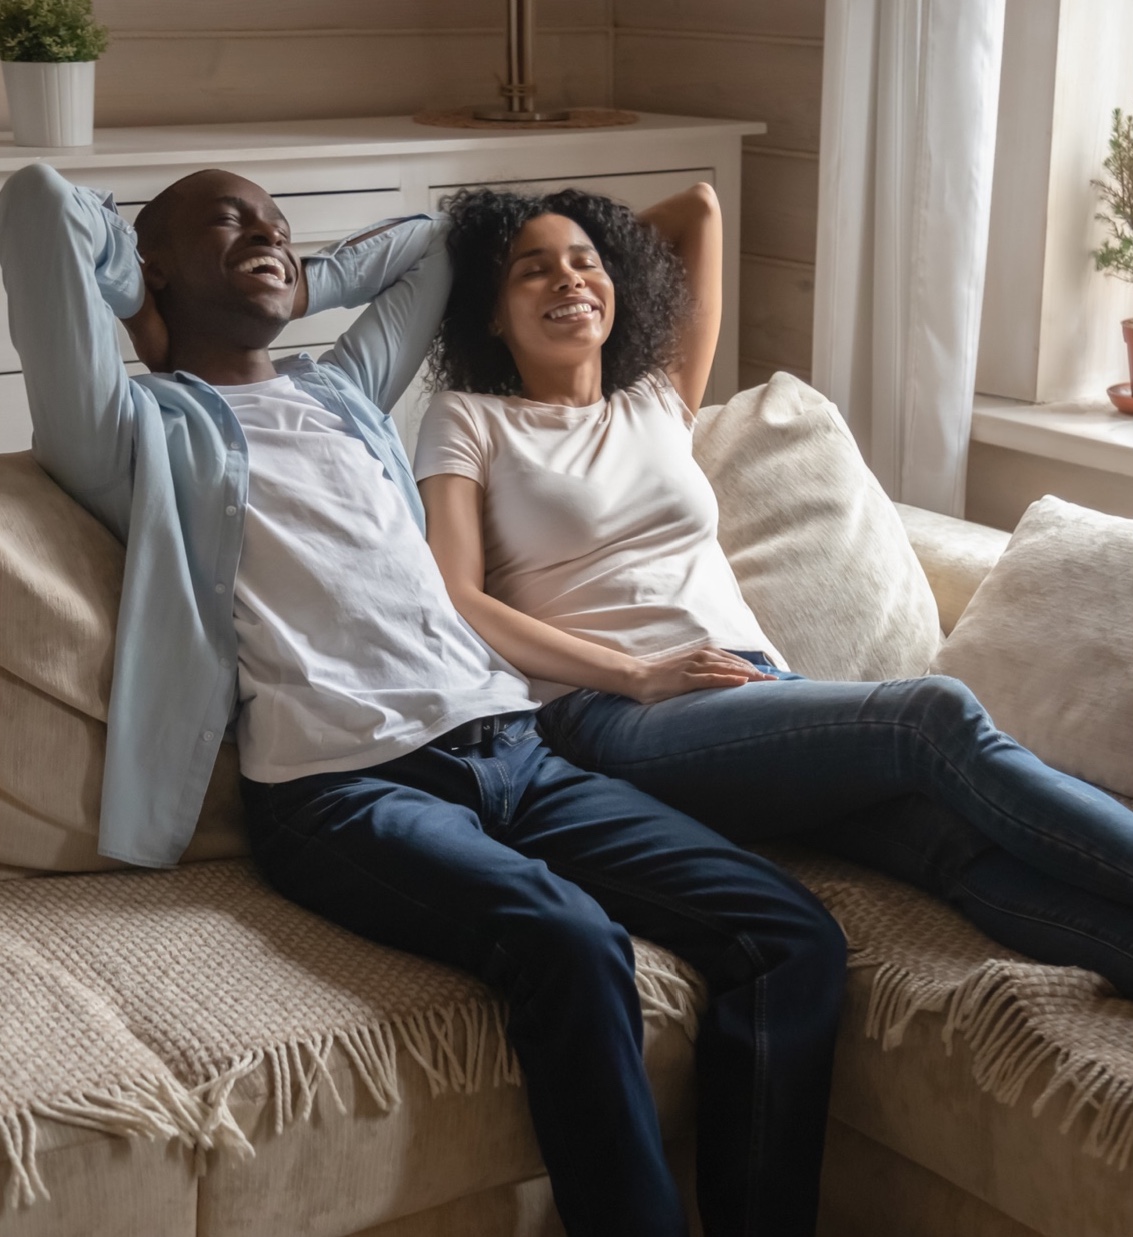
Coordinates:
[227,253]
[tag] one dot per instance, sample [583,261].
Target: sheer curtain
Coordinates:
[910,92]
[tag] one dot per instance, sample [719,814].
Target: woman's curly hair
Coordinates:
[652,298]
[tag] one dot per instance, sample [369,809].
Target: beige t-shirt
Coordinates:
[597,520]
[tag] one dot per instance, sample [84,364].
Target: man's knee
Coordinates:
[820,944]
[569,942]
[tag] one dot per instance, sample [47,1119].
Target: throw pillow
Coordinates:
[819,550]
[60,581]
[1045,641]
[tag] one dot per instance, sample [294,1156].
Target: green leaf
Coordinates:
[50,30]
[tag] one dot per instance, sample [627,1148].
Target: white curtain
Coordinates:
[910,93]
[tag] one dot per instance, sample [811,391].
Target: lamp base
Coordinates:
[576,118]
[488,113]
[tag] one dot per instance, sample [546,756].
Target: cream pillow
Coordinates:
[1046,643]
[819,550]
[60,582]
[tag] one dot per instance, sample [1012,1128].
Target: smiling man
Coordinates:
[277,578]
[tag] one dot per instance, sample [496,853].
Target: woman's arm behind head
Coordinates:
[690,222]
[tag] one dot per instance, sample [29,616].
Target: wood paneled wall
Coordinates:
[216,60]
[754,60]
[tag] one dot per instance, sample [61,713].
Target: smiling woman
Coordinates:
[577,535]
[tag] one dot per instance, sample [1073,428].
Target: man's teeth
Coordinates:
[263,266]
[570,311]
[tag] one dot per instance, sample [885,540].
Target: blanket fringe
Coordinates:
[987,1010]
[450,1044]
[17,1141]
[153,1108]
[670,997]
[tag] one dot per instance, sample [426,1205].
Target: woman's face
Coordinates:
[556,302]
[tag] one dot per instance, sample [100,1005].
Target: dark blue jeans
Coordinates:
[508,862]
[909,776]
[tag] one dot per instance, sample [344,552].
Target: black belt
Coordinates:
[476,733]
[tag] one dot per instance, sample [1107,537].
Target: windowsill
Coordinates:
[1091,433]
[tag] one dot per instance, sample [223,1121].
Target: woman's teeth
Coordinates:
[571,311]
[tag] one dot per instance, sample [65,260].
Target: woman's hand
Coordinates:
[149,335]
[692,670]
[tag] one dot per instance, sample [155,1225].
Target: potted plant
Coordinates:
[48,49]
[1115,256]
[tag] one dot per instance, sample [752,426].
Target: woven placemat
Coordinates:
[577,118]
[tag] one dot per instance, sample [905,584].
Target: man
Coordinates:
[277,575]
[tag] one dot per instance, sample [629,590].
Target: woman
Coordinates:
[577,536]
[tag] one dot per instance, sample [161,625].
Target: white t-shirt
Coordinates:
[350,652]
[597,520]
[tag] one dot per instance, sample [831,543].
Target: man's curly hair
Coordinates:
[651,295]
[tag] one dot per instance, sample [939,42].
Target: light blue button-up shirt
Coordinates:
[163,459]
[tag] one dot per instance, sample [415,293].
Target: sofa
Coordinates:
[182,1052]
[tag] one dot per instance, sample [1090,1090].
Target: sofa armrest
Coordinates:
[955,555]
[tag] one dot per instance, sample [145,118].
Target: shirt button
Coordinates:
[234,446]
[226,663]
[230,510]
[220,588]
[208,736]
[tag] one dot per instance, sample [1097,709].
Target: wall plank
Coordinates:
[798,17]
[776,313]
[1002,484]
[746,78]
[269,15]
[219,78]
[755,374]
[780,205]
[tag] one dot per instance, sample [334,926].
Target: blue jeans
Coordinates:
[909,776]
[504,860]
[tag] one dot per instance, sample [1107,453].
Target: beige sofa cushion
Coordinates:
[956,556]
[818,548]
[1045,642]
[60,583]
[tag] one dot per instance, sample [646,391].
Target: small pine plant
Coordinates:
[1115,256]
[50,30]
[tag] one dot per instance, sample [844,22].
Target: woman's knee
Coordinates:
[939,703]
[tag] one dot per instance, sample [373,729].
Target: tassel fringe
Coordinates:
[989,1011]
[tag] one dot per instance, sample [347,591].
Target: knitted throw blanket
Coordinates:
[1021,1019]
[133,1002]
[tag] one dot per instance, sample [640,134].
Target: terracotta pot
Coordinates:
[1121,396]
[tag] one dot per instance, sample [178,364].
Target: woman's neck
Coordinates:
[574,386]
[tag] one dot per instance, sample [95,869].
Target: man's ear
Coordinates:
[152,273]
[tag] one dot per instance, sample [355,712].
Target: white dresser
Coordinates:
[332,177]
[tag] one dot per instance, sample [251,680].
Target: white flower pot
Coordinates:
[50,104]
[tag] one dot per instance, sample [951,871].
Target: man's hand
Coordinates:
[149,335]
[691,671]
